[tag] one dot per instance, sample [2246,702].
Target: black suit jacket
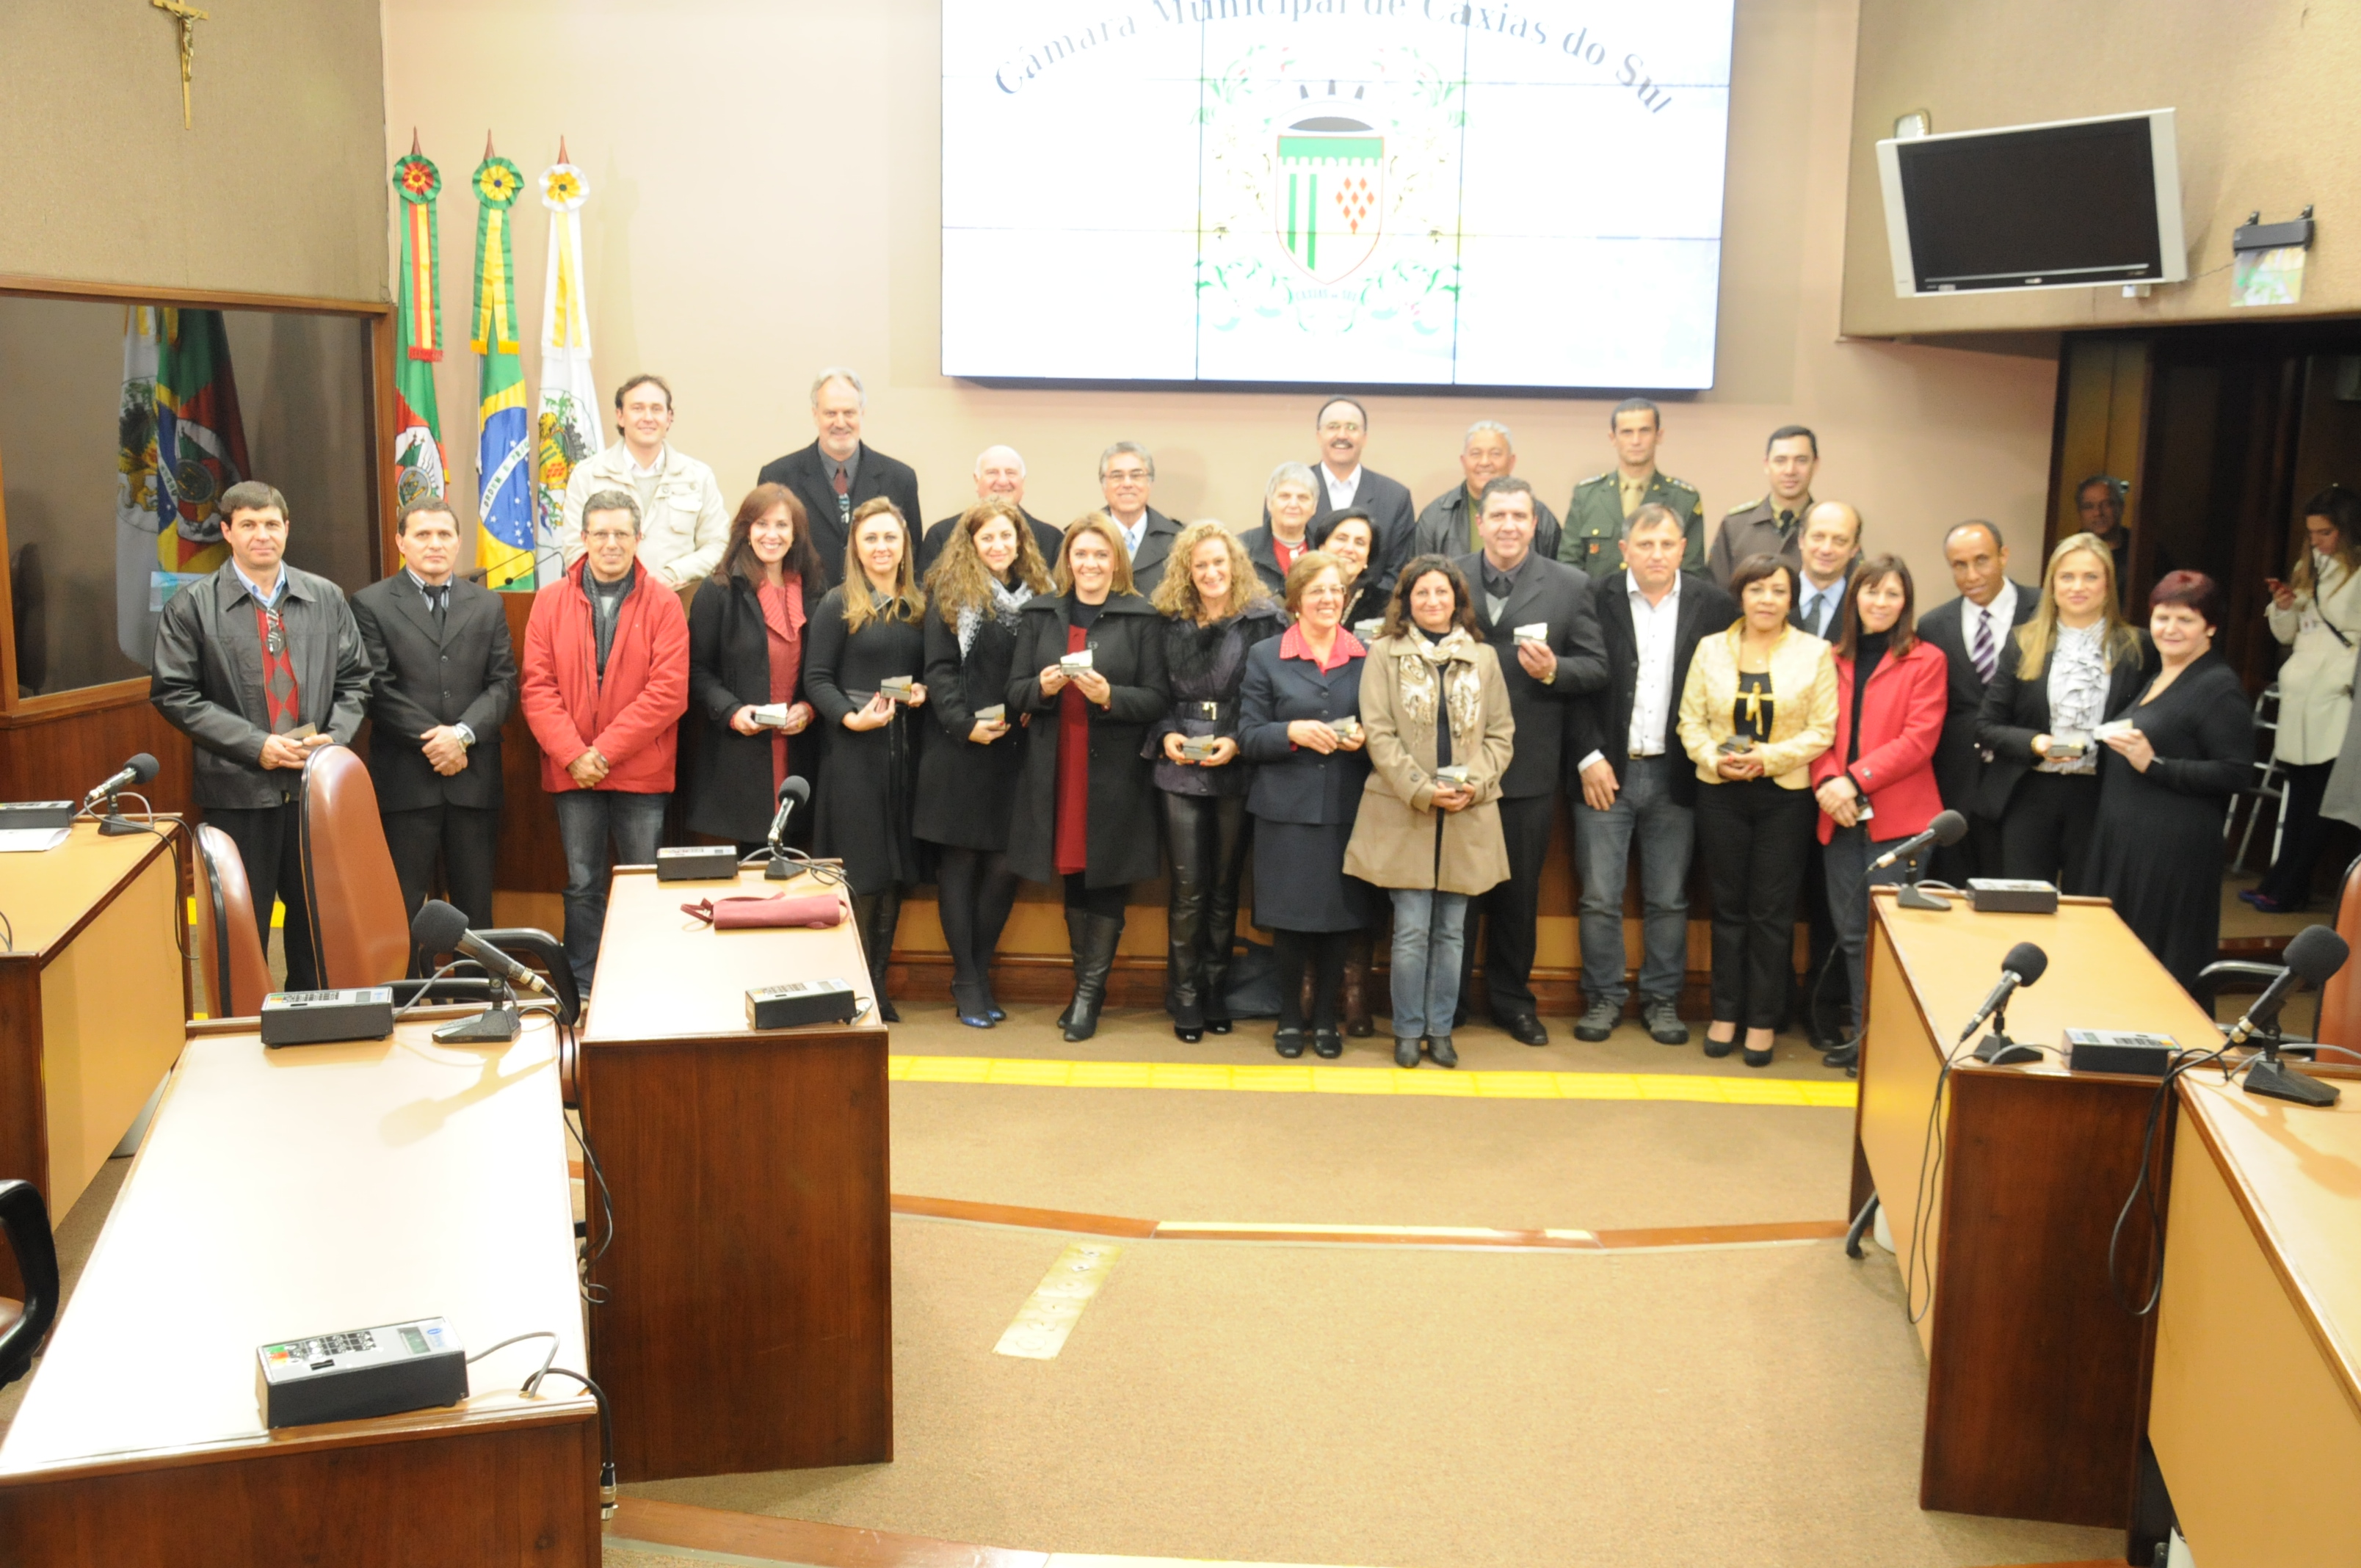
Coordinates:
[1047,539]
[1601,722]
[466,676]
[1155,551]
[875,474]
[1388,505]
[2015,711]
[1543,591]
[1959,760]
[1835,628]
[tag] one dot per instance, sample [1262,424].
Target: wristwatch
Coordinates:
[467,735]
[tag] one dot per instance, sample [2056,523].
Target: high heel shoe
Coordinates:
[1762,1058]
[972,1012]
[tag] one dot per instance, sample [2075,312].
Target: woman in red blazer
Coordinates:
[1876,785]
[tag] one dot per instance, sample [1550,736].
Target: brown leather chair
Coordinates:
[237,969]
[360,928]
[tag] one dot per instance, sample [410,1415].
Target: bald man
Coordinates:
[1828,544]
[999,476]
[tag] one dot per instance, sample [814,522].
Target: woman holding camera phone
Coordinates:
[2070,667]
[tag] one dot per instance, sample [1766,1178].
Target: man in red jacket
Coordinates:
[605,683]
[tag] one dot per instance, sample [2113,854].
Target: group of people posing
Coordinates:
[1375,709]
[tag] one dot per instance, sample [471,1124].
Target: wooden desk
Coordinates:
[2033,1369]
[297,1192]
[92,1002]
[748,1323]
[2256,1409]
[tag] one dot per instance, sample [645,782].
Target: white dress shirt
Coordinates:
[1134,535]
[1341,491]
[1653,629]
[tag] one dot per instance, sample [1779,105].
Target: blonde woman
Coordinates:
[1435,713]
[1757,709]
[2071,667]
[1085,812]
[1215,612]
[864,634]
[987,569]
[2317,613]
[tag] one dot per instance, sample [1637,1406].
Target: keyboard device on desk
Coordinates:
[22,814]
[2120,1050]
[360,1373]
[698,862]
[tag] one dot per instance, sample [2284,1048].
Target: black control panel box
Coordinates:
[801,1002]
[327,1017]
[38,815]
[2120,1050]
[1998,895]
[360,1373]
[698,862]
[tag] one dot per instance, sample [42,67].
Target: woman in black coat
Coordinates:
[2055,678]
[1351,538]
[976,592]
[1214,614]
[865,633]
[2166,788]
[1307,792]
[746,636]
[1086,808]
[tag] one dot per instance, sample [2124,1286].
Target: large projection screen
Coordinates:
[1341,191]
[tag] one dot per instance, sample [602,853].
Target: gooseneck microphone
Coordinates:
[442,928]
[2025,964]
[137,771]
[1949,828]
[2315,954]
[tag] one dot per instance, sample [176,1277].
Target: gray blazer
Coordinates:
[206,680]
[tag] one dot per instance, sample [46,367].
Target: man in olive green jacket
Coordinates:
[1594,519]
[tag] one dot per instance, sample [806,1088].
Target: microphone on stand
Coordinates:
[442,928]
[137,771]
[2316,954]
[795,792]
[2025,964]
[1949,828]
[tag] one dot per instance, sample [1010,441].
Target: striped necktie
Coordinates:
[1985,654]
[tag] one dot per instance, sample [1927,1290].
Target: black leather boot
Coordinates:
[878,915]
[1094,958]
[1077,937]
[1185,959]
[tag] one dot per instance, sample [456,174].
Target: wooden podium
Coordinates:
[747,1315]
[303,1191]
[2255,1410]
[93,997]
[2034,1369]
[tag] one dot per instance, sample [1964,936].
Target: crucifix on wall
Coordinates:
[188,15]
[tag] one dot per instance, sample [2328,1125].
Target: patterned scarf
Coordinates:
[1006,604]
[1445,669]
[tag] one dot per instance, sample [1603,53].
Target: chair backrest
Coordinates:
[237,969]
[360,929]
[24,1220]
[2340,999]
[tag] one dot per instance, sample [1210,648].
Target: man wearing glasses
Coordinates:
[260,665]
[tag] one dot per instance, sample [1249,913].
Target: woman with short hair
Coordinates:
[988,569]
[1085,812]
[867,640]
[1290,498]
[2317,614]
[1440,735]
[746,635]
[1215,612]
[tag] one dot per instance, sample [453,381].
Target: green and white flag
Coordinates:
[567,429]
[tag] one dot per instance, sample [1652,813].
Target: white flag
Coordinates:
[569,428]
[135,488]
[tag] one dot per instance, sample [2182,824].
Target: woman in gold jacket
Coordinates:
[1761,703]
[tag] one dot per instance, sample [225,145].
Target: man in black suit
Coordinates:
[446,680]
[838,471]
[999,476]
[1126,475]
[1346,485]
[1970,630]
[1537,616]
[1631,777]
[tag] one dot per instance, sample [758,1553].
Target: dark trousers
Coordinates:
[466,839]
[974,890]
[2303,835]
[270,844]
[1323,952]
[1820,988]
[1754,839]
[1207,836]
[1511,911]
[2046,835]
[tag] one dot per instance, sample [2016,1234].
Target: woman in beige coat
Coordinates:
[1435,712]
[1760,705]
[2317,613]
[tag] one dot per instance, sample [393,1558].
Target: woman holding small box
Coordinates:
[746,633]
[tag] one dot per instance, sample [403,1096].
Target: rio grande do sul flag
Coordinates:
[180,443]
[418,334]
[569,428]
[504,542]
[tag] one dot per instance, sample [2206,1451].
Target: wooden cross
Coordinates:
[188,15]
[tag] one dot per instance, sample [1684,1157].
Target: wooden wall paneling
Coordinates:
[385,419]
[216,299]
[57,748]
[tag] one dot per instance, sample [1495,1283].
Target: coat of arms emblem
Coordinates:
[1329,201]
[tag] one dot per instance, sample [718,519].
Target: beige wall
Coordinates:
[2257,85]
[277,189]
[764,200]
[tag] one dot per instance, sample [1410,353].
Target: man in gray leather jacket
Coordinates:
[260,665]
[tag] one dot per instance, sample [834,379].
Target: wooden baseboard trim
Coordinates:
[647,1522]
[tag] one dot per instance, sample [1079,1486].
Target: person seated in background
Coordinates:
[840,471]
[684,522]
[1215,613]
[1289,497]
[252,736]
[1594,519]
[1969,630]
[2099,502]
[605,681]
[1126,478]
[1343,427]
[1632,780]
[2317,615]
[999,476]
[1875,783]
[1760,704]
[2166,780]
[447,679]
[746,636]
[1447,524]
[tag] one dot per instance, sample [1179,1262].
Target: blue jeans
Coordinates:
[1429,930]
[1846,857]
[1643,807]
[587,819]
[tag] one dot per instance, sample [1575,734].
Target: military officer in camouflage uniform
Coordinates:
[1773,525]
[1594,519]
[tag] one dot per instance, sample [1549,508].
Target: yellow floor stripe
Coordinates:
[1697,1089]
[1050,1314]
